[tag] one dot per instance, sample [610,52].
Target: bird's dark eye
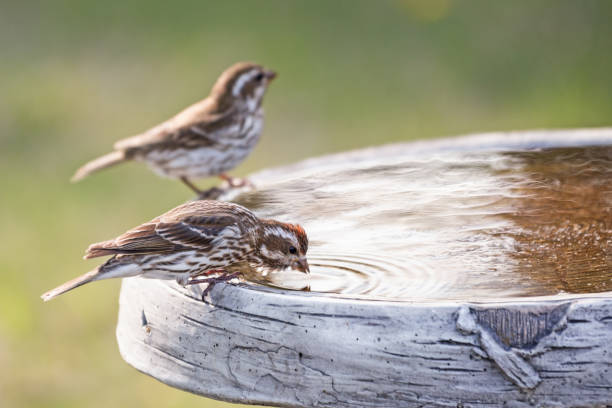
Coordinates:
[292,250]
[259,77]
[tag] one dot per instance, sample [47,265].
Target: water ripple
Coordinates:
[457,225]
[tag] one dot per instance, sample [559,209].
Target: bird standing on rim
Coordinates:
[206,139]
[199,242]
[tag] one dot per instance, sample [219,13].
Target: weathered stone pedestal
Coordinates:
[258,345]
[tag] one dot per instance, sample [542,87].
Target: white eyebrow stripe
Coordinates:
[280,232]
[242,80]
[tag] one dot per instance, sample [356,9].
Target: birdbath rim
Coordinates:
[353,299]
[255,344]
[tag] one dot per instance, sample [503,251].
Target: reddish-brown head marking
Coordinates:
[301,237]
[283,246]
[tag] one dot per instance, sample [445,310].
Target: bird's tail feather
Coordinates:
[100,163]
[113,268]
[74,283]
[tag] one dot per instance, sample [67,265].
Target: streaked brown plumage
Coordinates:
[194,240]
[206,139]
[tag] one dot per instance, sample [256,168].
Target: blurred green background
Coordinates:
[77,75]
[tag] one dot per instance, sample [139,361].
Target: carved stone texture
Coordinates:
[257,345]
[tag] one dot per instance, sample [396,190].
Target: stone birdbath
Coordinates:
[464,272]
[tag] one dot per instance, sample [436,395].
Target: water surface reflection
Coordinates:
[454,225]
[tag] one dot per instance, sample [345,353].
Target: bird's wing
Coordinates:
[186,227]
[198,124]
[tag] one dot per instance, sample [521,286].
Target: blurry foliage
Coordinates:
[77,75]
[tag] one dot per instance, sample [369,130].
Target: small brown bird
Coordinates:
[206,139]
[195,241]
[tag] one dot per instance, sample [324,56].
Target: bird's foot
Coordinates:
[235,182]
[210,194]
[208,272]
[189,279]
[212,280]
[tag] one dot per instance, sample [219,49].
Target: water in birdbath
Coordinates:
[454,225]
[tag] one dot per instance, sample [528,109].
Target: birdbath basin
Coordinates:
[473,271]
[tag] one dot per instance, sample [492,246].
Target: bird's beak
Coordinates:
[270,74]
[301,265]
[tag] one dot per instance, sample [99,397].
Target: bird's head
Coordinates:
[243,84]
[282,246]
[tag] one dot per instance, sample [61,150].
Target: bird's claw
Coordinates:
[236,182]
[210,194]
[211,282]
